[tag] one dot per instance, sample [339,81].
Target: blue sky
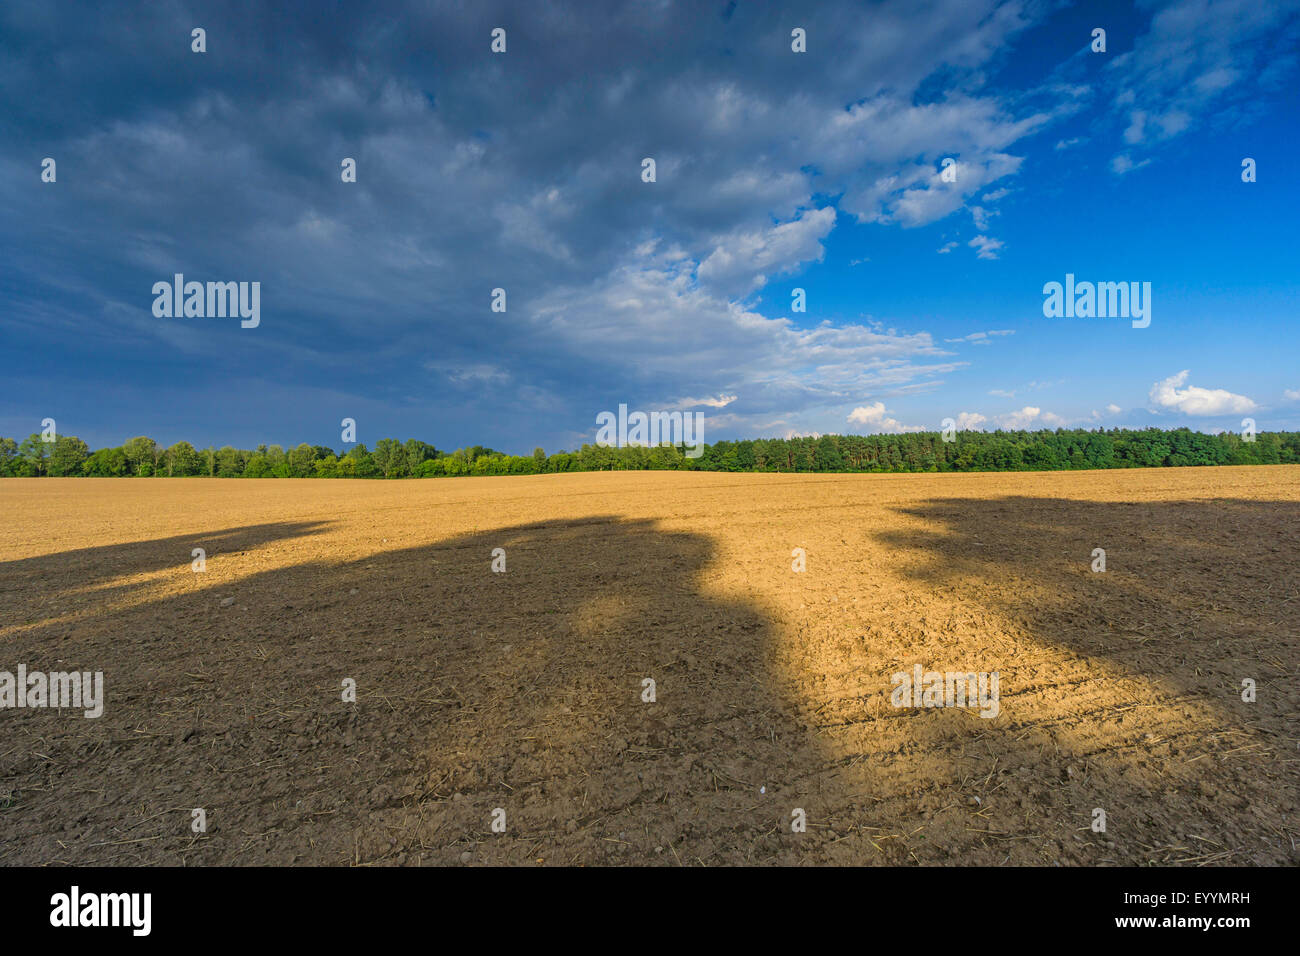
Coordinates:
[775,170]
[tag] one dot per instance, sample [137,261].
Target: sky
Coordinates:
[775,171]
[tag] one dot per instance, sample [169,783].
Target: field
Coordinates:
[523,690]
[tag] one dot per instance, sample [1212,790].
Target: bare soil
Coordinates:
[523,690]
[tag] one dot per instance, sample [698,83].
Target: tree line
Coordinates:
[1062,449]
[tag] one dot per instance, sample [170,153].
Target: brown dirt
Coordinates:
[522,690]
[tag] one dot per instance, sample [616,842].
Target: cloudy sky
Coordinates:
[522,170]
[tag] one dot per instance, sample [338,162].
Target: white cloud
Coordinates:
[660,336]
[740,261]
[1027,387]
[1030,417]
[1194,400]
[982,338]
[876,418]
[981,216]
[1136,126]
[476,374]
[1293,394]
[532,224]
[919,196]
[719,401]
[1123,163]
[988,247]
[315,226]
[1200,58]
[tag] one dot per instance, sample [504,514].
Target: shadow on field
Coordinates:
[53,576]
[1195,596]
[522,691]
[475,690]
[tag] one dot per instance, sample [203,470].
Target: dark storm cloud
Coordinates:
[476,171]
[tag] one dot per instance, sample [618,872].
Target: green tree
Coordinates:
[229,462]
[417,453]
[362,462]
[139,453]
[107,463]
[67,456]
[257,467]
[300,460]
[183,460]
[802,460]
[390,457]
[326,466]
[35,451]
[8,453]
